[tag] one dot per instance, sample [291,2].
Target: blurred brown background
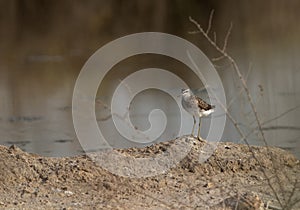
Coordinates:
[44,44]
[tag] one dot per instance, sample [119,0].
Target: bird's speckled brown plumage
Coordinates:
[203,104]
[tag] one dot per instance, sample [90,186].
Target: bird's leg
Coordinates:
[198,136]
[193,126]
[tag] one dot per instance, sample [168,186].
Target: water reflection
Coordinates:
[45,44]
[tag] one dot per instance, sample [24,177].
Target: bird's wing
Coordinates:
[203,105]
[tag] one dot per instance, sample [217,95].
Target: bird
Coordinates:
[195,106]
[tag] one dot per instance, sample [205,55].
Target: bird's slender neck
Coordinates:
[186,96]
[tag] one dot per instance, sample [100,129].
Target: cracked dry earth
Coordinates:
[231,178]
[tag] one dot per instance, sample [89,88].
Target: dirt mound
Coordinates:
[234,177]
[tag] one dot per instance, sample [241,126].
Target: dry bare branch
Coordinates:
[281,115]
[223,52]
[273,119]
[218,58]
[249,71]
[234,99]
[227,37]
[240,92]
[215,37]
[210,21]
[194,32]
[280,127]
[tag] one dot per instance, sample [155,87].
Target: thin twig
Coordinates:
[241,90]
[282,127]
[234,98]
[273,119]
[227,37]
[218,58]
[210,21]
[248,72]
[281,115]
[215,37]
[194,32]
[222,66]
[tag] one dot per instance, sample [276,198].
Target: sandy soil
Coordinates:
[230,179]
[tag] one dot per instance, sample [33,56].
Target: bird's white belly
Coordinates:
[206,113]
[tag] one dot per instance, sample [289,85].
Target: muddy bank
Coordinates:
[230,179]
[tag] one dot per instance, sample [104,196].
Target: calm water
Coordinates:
[39,66]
